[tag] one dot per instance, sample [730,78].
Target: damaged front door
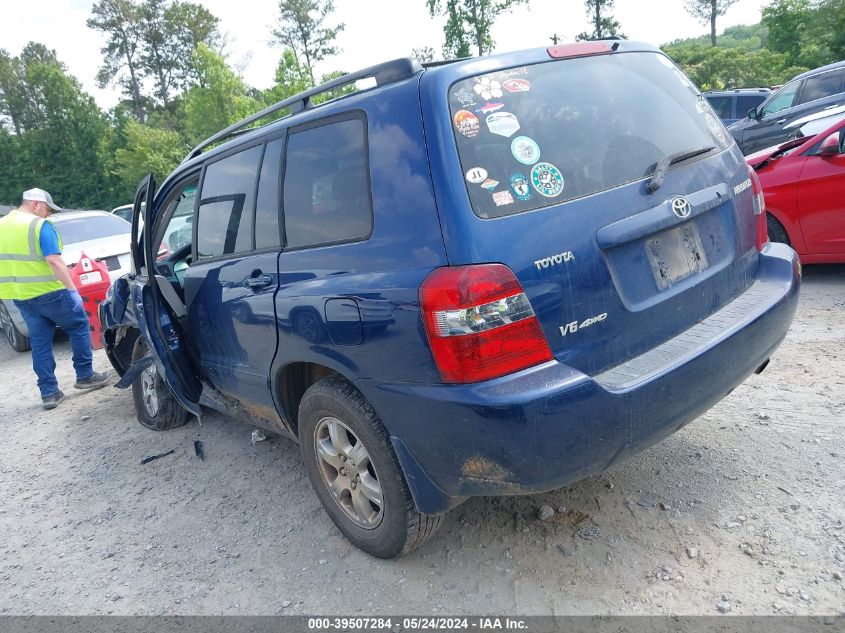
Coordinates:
[159,309]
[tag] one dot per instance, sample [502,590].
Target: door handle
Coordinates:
[781,121]
[259,282]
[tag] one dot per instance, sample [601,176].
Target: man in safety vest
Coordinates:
[33,273]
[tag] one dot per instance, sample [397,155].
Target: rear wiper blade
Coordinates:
[664,163]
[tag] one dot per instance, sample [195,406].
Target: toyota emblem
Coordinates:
[681,207]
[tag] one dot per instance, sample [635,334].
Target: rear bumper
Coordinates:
[550,425]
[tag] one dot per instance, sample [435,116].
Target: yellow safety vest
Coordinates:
[24,272]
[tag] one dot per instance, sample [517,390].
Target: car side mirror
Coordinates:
[752,113]
[830,146]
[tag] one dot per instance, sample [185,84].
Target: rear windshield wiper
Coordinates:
[664,163]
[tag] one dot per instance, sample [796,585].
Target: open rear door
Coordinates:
[159,312]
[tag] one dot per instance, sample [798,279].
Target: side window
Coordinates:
[746,102]
[327,191]
[823,85]
[267,233]
[781,100]
[722,106]
[176,227]
[227,201]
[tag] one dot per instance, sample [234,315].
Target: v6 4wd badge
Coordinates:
[574,326]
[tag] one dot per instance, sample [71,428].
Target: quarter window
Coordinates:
[227,204]
[327,192]
[722,106]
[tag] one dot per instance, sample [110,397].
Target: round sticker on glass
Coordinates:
[547,180]
[520,186]
[476,175]
[525,150]
[467,123]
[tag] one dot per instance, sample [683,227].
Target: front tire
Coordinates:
[17,339]
[155,406]
[355,473]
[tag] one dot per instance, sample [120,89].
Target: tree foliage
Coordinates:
[808,33]
[301,29]
[469,23]
[707,11]
[148,149]
[601,19]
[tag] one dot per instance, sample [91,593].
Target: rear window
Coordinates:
[539,135]
[89,228]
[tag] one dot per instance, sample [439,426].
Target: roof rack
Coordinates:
[385,73]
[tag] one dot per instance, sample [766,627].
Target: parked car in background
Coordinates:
[808,93]
[813,124]
[178,232]
[804,186]
[124,212]
[102,236]
[489,277]
[733,105]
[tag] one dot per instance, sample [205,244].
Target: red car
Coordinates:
[804,186]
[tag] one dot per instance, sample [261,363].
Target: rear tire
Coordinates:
[17,339]
[776,231]
[155,406]
[351,465]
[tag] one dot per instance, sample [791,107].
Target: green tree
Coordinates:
[219,99]
[424,54]
[171,34]
[829,28]
[121,22]
[707,11]
[469,22]
[58,131]
[601,19]
[301,29]
[148,149]
[291,78]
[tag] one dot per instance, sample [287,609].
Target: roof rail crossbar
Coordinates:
[384,73]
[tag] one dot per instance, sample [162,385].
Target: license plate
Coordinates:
[675,254]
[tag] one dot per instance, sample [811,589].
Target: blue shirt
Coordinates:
[49,240]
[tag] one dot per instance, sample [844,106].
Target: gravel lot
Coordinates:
[743,508]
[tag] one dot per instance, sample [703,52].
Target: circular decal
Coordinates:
[467,123]
[520,186]
[476,175]
[547,180]
[525,150]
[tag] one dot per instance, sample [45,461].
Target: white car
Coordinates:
[101,235]
[178,232]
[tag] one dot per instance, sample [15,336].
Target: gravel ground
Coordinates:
[741,510]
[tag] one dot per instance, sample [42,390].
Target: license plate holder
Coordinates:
[675,255]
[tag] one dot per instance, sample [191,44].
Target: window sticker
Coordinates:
[465,97]
[488,108]
[487,88]
[525,150]
[490,184]
[476,175]
[547,180]
[502,123]
[467,123]
[501,198]
[517,85]
[520,186]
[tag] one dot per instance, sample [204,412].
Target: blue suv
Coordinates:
[489,277]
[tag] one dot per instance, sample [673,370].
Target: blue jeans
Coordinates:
[42,315]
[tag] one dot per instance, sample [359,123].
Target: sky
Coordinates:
[376,31]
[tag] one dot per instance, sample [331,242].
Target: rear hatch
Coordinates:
[553,178]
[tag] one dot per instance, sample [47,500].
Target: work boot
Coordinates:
[53,400]
[94,381]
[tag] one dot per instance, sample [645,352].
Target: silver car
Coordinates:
[101,235]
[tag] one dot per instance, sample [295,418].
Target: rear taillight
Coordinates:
[759,210]
[479,323]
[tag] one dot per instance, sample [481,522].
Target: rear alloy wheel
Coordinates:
[155,406]
[355,473]
[17,339]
